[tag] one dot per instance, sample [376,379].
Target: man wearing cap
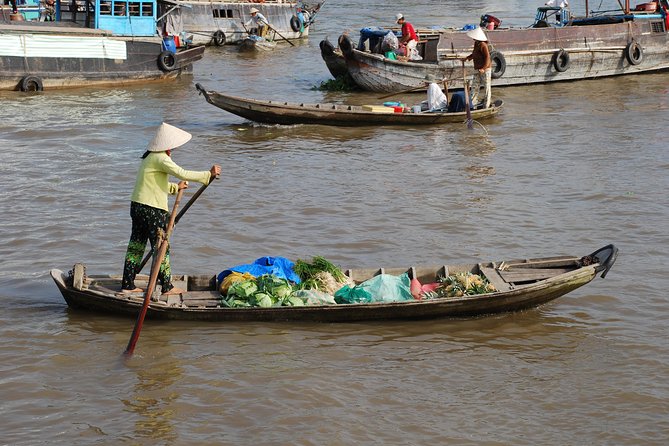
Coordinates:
[258,21]
[148,206]
[482,64]
[409,37]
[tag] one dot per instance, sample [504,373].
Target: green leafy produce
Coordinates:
[243,289]
[340,83]
[264,291]
[282,291]
[263,300]
[293,301]
[318,264]
[321,275]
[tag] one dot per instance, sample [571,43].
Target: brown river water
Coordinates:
[565,169]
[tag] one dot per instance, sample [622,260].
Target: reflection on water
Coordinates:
[154,395]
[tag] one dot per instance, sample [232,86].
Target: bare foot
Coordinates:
[135,290]
[174,291]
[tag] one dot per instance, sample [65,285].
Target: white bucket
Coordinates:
[416,109]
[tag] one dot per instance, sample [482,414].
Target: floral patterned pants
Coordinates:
[481,81]
[146,221]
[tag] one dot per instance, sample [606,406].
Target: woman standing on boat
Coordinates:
[148,207]
[482,64]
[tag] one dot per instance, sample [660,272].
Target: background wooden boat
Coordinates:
[271,112]
[579,48]
[520,283]
[36,55]
[221,22]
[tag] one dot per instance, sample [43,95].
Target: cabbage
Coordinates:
[263,300]
[282,291]
[293,301]
[244,289]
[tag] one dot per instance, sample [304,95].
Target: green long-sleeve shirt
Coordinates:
[152,185]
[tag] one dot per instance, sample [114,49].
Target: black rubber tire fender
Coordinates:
[498,64]
[167,61]
[634,53]
[31,83]
[561,61]
[219,38]
[295,23]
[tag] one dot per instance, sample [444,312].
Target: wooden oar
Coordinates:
[280,35]
[470,122]
[176,220]
[161,248]
[244,24]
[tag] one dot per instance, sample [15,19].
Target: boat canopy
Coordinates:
[120,17]
[126,17]
[545,13]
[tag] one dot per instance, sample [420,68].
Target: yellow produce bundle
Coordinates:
[232,278]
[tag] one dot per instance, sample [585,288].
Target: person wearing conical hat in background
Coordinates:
[148,206]
[259,22]
[409,39]
[482,64]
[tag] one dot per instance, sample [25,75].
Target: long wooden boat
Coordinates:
[76,51]
[520,284]
[273,112]
[221,22]
[569,48]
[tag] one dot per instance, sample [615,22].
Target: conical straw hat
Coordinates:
[168,137]
[477,34]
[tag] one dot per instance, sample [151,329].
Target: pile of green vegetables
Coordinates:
[340,83]
[320,275]
[271,291]
[264,291]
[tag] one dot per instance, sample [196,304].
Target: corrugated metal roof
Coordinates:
[33,45]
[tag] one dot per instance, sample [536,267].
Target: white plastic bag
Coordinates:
[436,99]
[390,42]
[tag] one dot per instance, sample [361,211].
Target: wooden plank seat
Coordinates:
[494,277]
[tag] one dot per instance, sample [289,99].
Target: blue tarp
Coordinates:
[279,266]
[373,31]
[374,34]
